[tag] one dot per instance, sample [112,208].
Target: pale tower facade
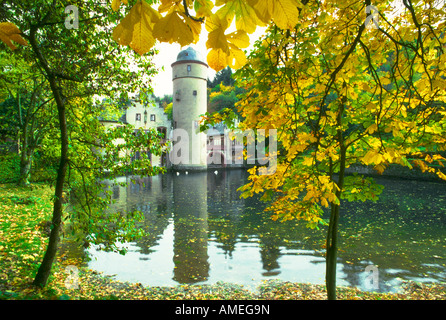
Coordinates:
[189,76]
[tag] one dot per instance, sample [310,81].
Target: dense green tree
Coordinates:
[24,118]
[223,92]
[76,58]
[223,76]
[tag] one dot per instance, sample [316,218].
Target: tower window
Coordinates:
[189,68]
[152,117]
[194,92]
[138,117]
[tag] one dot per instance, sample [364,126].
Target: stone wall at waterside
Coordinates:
[397,171]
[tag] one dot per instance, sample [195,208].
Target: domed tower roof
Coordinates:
[190,55]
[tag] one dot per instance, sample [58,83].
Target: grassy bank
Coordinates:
[23,239]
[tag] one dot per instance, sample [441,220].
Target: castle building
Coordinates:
[189,76]
[190,149]
[148,116]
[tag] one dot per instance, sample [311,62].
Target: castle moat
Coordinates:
[202,232]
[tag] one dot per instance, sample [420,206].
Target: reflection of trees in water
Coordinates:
[402,233]
[270,253]
[403,230]
[150,195]
[233,218]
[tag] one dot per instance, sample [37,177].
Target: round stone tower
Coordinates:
[189,76]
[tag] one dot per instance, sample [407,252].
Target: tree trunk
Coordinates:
[23,146]
[45,268]
[332,233]
[26,152]
[331,255]
[53,243]
[25,167]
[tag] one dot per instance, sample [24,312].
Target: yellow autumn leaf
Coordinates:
[195,27]
[380,168]
[172,28]
[365,86]
[245,15]
[135,30]
[217,40]
[441,175]
[324,202]
[238,38]
[203,8]
[284,13]
[217,59]
[117,3]
[308,161]
[263,8]
[226,47]
[423,166]
[9,32]
[372,156]
[439,84]
[372,128]
[371,106]
[439,159]
[385,81]
[170,6]
[237,58]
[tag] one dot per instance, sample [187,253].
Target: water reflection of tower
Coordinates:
[190,227]
[269,243]
[270,253]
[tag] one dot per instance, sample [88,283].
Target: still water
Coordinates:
[202,232]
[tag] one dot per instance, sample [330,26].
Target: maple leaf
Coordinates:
[9,32]
[136,29]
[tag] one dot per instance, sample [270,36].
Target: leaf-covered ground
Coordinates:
[23,212]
